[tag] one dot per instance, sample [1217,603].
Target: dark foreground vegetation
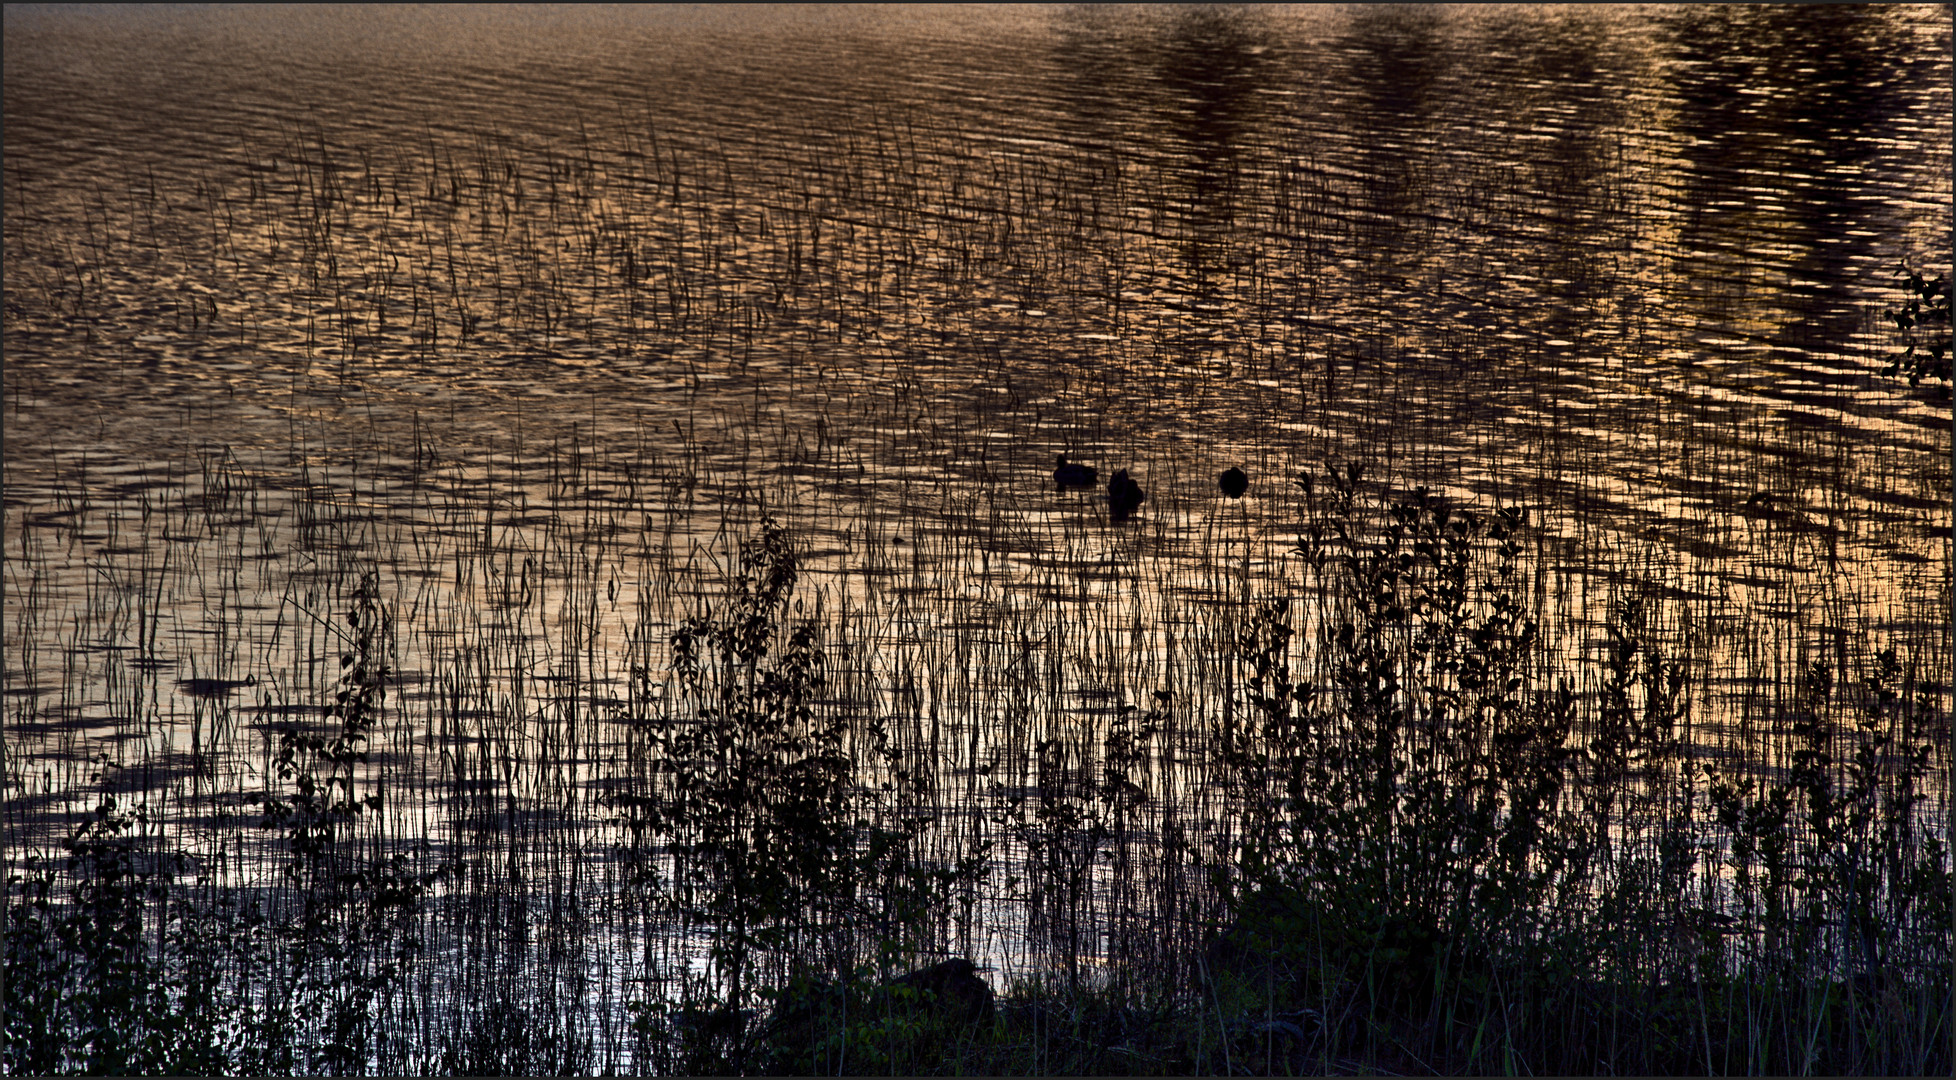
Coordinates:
[1405,837]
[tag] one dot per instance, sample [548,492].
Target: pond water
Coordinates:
[529,313]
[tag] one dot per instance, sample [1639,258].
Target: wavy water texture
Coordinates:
[525,315]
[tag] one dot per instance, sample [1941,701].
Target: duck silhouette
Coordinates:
[215,688]
[1234,482]
[1123,496]
[1074,475]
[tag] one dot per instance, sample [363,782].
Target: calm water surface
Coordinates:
[527,313]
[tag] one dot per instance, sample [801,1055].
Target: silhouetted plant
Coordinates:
[352,938]
[1923,319]
[1831,871]
[118,980]
[1392,838]
[1427,836]
[788,856]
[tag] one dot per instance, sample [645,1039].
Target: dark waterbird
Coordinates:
[1074,475]
[215,688]
[1123,496]
[1234,482]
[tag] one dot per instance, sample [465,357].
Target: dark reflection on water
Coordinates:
[311,285]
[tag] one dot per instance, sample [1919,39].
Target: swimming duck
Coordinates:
[1123,496]
[215,688]
[1074,475]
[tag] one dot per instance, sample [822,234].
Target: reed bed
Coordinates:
[560,785]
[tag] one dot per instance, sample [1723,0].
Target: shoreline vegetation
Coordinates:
[1400,835]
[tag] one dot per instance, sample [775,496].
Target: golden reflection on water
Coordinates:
[533,311]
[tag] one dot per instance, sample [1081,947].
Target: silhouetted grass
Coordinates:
[1399,833]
